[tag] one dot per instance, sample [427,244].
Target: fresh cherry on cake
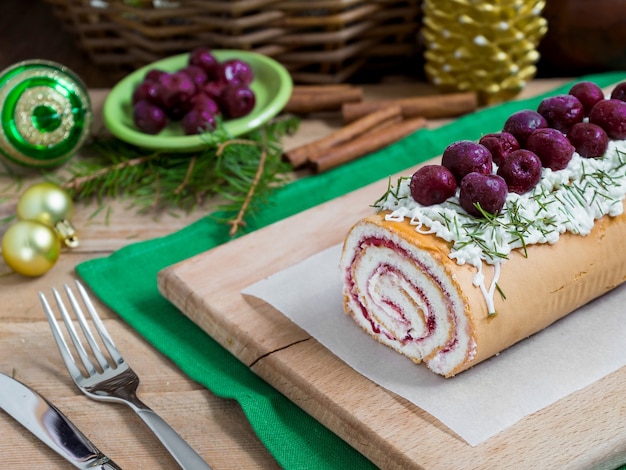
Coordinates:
[487,191]
[466,156]
[561,111]
[610,115]
[432,184]
[521,170]
[588,93]
[589,140]
[552,148]
[522,123]
[148,117]
[619,92]
[500,145]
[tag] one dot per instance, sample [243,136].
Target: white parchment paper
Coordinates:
[476,404]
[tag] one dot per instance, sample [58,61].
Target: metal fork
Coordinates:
[113,382]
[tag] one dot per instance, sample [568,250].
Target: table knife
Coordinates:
[50,425]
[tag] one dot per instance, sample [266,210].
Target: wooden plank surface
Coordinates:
[215,427]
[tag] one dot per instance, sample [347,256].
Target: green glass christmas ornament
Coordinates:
[45,113]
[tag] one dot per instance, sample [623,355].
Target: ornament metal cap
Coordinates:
[66,231]
[45,113]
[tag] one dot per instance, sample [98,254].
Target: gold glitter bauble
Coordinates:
[487,47]
[50,205]
[46,203]
[30,248]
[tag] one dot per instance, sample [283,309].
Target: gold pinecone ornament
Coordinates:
[487,47]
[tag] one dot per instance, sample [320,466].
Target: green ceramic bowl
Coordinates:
[272,87]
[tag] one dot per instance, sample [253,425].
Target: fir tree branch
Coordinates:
[238,221]
[241,171]
[77,183]
[185,181]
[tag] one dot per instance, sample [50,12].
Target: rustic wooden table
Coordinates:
[215,427]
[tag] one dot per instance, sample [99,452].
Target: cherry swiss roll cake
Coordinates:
[504,237]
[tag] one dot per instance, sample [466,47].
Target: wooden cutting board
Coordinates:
[582,431]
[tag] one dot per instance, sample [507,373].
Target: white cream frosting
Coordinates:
[568,200]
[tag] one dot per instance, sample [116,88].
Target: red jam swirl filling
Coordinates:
[429,316]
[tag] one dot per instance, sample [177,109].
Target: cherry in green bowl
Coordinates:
[272,87]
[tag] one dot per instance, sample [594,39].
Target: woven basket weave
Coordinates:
[320,41]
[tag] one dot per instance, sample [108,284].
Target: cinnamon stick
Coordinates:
[430,107]
[366,143]
[304,89]
[314,150]
[305,100]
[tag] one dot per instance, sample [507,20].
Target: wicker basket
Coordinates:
[320,41]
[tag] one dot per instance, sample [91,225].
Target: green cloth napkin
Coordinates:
[126,282]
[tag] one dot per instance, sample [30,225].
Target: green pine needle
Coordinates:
[240,172]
